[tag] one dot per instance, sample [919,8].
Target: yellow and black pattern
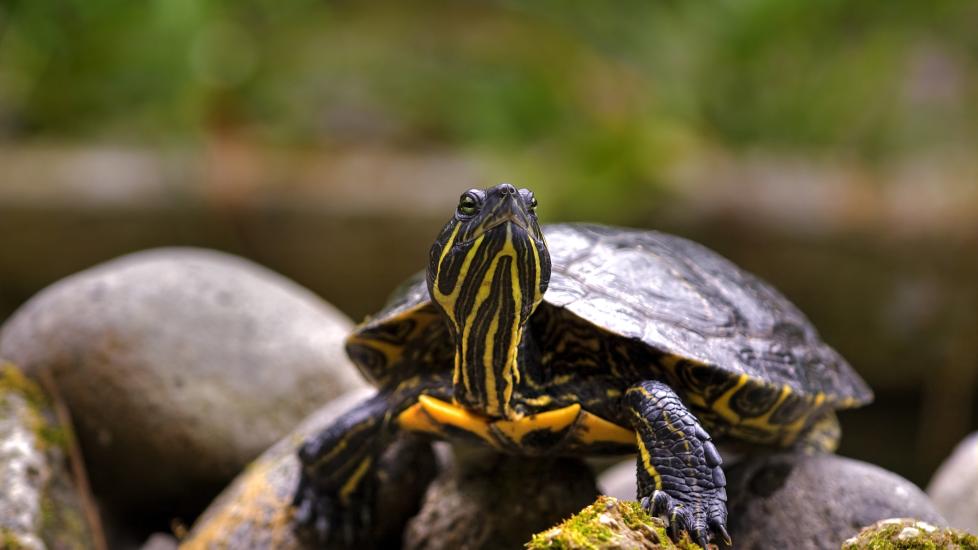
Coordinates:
[487,275]
[339,473]
[413,342]
[629,341]
[569,430]
[679,473]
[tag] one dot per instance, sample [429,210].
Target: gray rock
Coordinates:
[618,481]
[160,541]
[812,502]
[487,500]
[255,512]
[39,505]
[180,366]
[954,487]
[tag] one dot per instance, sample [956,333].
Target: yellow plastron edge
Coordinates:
[556,420]
[429,414]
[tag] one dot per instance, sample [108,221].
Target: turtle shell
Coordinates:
[728,335]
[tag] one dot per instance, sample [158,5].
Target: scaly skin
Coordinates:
[519,384]
[679,475]
[335,497]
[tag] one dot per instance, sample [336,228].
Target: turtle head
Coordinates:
[487,272]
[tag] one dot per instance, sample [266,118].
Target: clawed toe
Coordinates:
[719,531]
[702,526]
[320,519]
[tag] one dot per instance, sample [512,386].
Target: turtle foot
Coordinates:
[703,518]
[324,519]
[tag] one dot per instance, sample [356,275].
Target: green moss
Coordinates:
[53,436]
[885,535]
[9,540]
[12,380]
[608,523]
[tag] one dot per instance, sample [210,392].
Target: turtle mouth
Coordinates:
[508,211]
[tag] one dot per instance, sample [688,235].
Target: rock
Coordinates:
[609,524]
[255,510]
[619,480]
[815,501]
[39,505]
[207,357]
[899,534]
[487,500]
[954,487]
[160,541]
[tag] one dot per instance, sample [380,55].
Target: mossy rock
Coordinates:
[40,506]
[609,524]
[906,534]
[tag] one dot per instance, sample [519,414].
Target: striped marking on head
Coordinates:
[487,288]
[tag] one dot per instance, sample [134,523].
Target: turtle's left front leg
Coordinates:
[334,500]
[679,475]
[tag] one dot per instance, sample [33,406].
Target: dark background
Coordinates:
[827,146]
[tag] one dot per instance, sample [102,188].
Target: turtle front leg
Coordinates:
[679,475]
[334,500]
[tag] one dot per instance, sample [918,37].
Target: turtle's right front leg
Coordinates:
[335,496]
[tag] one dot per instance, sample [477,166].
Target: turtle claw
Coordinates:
[691,518]
[720,530]
[323,521]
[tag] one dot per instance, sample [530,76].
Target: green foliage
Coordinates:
[597,100]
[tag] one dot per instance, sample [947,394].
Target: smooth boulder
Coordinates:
[954,487]
[179,366]
[255,511]
[486,500]
[795,500]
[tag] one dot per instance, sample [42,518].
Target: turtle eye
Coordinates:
[468,205]
[533,204]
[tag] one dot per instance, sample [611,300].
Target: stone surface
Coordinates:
[487,500]
[255,512]
[618,481]
[180,366]
[160,541]
[954,487]
[906,533]
[815,501]
[609,524]
[39,505]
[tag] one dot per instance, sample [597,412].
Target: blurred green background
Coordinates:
[828,146]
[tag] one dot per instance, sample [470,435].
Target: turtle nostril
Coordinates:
[507,189]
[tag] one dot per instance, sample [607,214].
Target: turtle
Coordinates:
[578,339]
